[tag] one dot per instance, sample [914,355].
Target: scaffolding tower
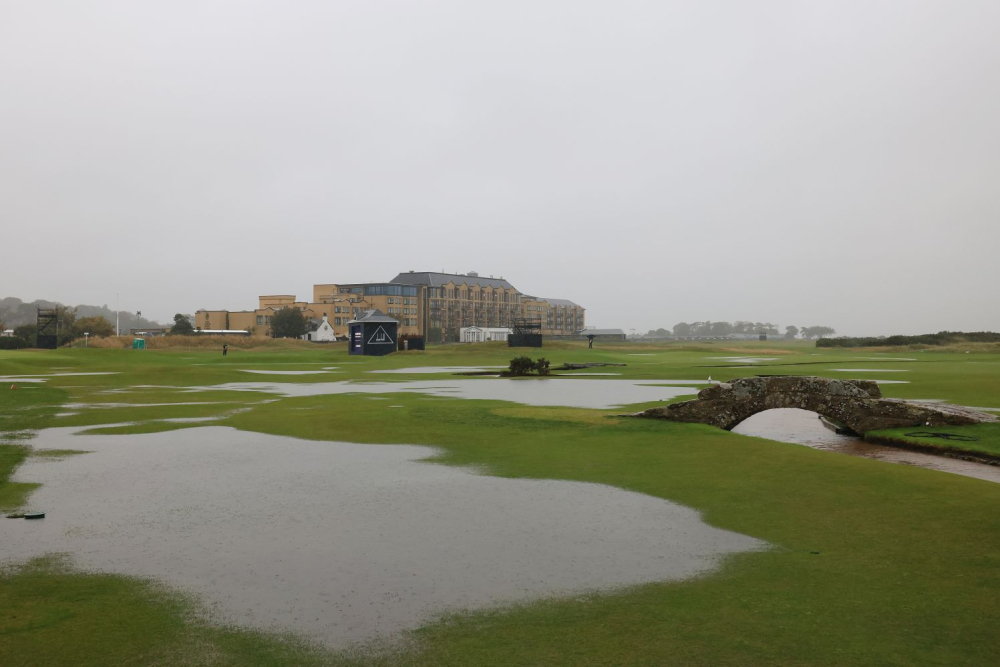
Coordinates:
[48,328]
[527,332]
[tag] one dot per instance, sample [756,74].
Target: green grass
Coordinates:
[21,411]
[987,438]
[54,616]
[12,494]
[57,453]
[872,563]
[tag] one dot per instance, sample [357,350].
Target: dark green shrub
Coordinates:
[521,366]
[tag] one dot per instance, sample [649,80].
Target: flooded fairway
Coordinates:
[343,542]
[266,372]
[805,428]
[561,392]
[420,370]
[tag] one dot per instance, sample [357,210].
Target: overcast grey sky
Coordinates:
[799,162]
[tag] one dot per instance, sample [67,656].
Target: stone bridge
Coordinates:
[855,404]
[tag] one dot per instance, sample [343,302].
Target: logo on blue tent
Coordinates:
[381,337]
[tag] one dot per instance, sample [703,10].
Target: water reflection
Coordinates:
[805,428]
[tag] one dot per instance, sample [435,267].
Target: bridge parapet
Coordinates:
[856,404]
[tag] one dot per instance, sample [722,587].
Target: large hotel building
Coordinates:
[434,305]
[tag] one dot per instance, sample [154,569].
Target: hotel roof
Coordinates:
[560,302]
[435,279]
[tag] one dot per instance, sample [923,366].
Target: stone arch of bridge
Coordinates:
[856,404]
[829,407]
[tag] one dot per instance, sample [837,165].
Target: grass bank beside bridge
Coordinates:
[872,563]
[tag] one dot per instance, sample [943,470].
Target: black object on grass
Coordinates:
[942,436]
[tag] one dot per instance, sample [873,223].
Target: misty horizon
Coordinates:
[823,164]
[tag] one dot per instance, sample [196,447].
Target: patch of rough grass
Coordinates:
[56,453]
[199,343]
[14,495]
[24,412]
[574,415]
[143,427]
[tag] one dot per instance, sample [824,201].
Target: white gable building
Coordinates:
[482,334]
[323,333]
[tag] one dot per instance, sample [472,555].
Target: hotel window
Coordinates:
[260,319]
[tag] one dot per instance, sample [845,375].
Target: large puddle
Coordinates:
[343,542]
[439,369]
[558,392]
[805,428]
[266,372]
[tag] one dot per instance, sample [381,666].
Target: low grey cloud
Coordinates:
[800,163]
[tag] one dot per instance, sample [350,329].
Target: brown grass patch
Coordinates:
[203,343]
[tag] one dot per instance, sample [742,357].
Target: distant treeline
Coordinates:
[14,312]
[718,329]
[940,338]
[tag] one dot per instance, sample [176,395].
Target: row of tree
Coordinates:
[719,329]
[286,323]
[940,338]
[68,325]
[71,326]
[15,312]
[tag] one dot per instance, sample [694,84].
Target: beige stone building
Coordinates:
[430,304]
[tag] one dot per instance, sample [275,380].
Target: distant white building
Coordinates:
[483,334]
[322,333]
[7,333]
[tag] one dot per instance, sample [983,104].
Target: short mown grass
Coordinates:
[52,615]
[976,439]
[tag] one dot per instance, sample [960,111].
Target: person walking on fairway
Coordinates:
[225,348]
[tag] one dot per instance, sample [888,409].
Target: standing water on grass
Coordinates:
[343,542]
[804,428]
